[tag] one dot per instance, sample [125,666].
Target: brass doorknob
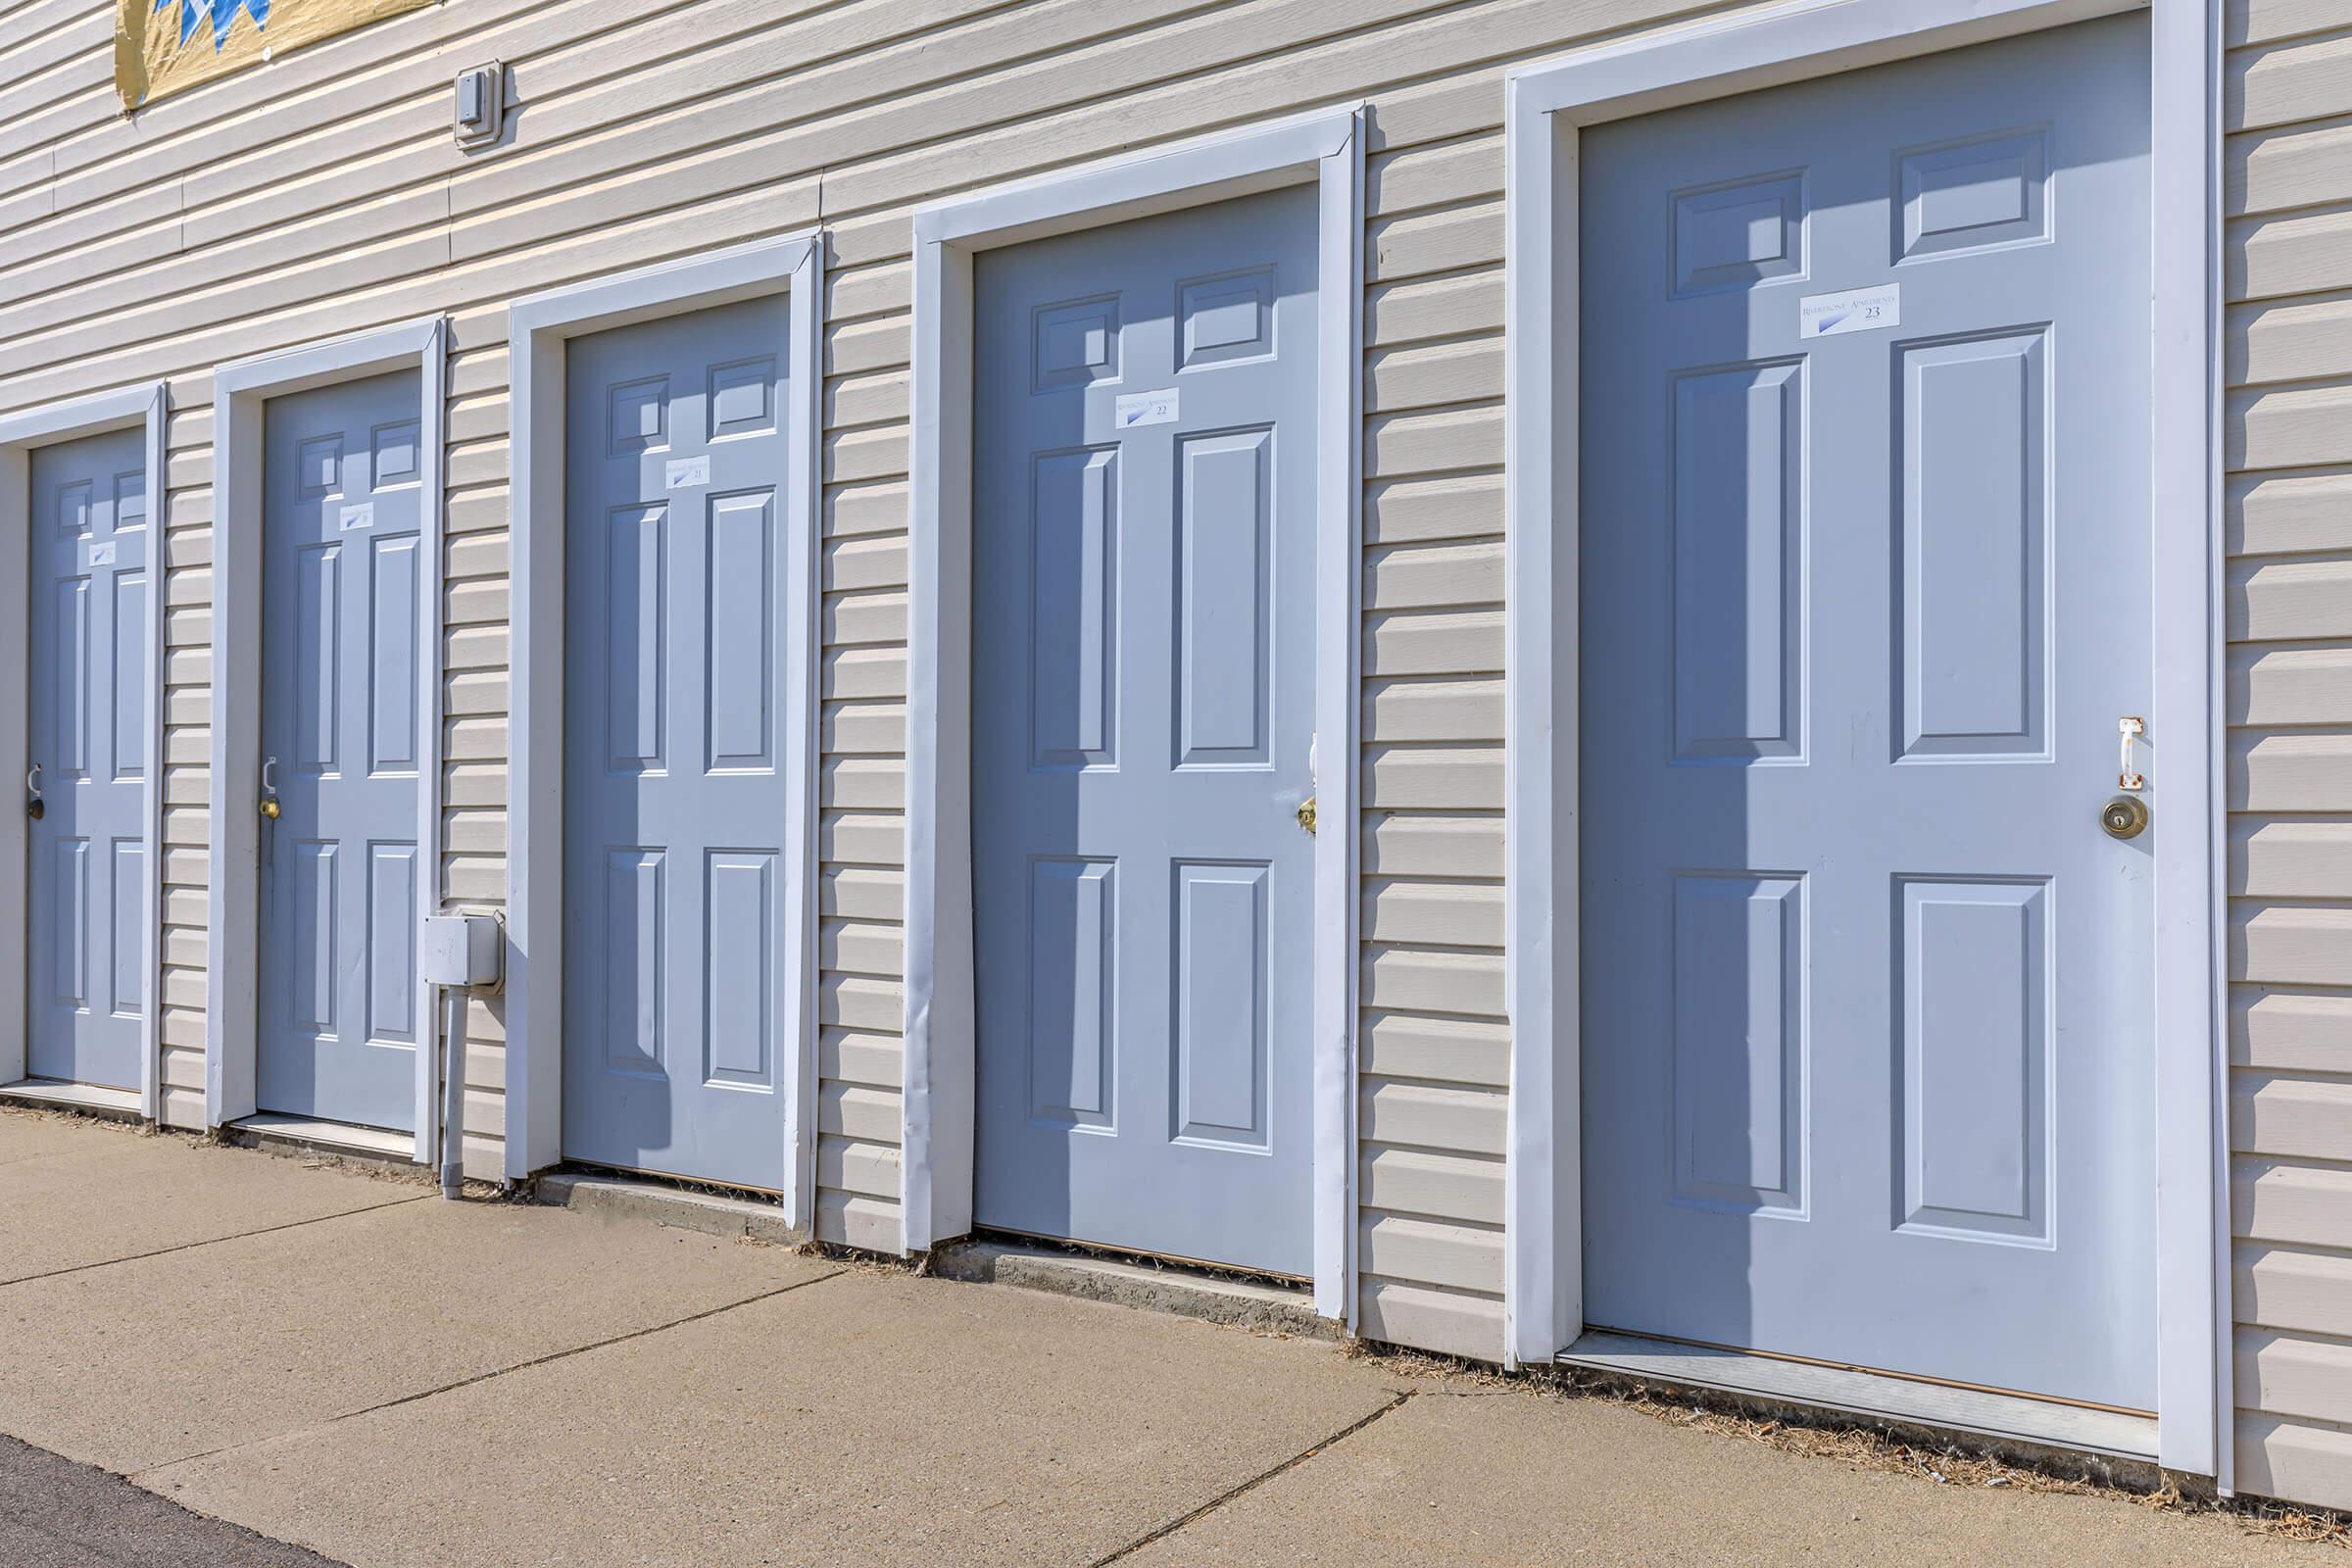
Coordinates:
[1306,813]
[270,806]
[2124,817]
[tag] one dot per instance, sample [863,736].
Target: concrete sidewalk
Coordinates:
[351,1365]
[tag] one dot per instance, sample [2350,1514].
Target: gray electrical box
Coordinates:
[481,104]
[461,950]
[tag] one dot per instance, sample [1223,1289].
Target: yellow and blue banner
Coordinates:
[162,46]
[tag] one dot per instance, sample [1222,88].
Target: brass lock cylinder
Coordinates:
[2124,817]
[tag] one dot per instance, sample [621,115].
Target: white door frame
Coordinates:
[233,905]
[539,327]
[1718,57]
[1324,149]
[145,406]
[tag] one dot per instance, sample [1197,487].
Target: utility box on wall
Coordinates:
[461,950]
[480,109]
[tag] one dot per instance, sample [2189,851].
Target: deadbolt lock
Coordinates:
[2124,817]
[269,808]
[36,808]
[1306,813]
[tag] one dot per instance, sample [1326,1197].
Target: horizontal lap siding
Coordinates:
[187,751]
[1433,1044]
[2287,440]
[474,708]
[322,194]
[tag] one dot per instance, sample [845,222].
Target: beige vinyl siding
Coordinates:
[187,746]
[2287,252]
[1433,1047]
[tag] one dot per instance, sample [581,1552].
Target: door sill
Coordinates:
[2007,1418]
[118,1104]
[334,1137]
[713,1212]
[1256,1302]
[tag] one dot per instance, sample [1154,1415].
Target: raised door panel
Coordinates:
[1740,1034]
[1072,994]
[634,917]
[68,906]
[739,630]
[1974,1073]
[394,583]
[1975,548]
[1224,627]
[67,754]
[1739,556]
[1223,990]
[1073,608]
[313,652]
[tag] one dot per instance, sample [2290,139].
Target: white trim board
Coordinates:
[232,912]
[1324,149]
[538,327]
[1718,58]
[147,407]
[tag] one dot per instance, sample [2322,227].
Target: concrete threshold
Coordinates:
[1157,1287]
[685,1208]
[2109,1447]
[87,1100]
[307,1138]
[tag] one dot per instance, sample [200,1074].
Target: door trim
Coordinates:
[145,407]
[1324,149]
[1546,104]
[233,904]
[538,327]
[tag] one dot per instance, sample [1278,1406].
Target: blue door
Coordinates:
[1867,1069]
[1142,715]
[341,719]
[86,873]
[678,856]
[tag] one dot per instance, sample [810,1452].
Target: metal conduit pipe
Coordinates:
[453,1090]
[462,954]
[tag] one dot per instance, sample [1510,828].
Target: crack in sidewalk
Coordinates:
[213,1240]
[494,1372]
[1396,1400]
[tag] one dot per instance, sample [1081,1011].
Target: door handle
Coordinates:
[269,789]
[1306,813]
[2127,815]
[2129,729]
[34,806]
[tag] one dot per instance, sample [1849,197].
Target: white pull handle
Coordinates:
[2130,729]
[32,781]
[269,767]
